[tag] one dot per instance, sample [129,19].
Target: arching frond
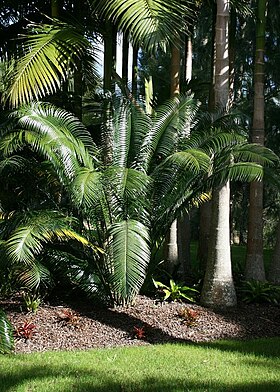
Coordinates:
[45,226]
[47,119]
[121,135]
[86,188]
[34,276]
[168,122]
[49,52]
[130,250]
[148,22]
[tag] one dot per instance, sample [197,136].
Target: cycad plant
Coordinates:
[118,207]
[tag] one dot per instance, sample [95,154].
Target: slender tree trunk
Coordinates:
[274,269]
[171,248]
[206,208]
[78,73]
[110,37]
[218,288]
[134,69]
[55,8]
[125,49]
[254,259]
[183,223]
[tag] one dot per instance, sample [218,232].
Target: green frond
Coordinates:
[168,122]
[245,172]
[12,164]
[6,334]
[128,193]
[193,161]
[28,240]
[213,140]
[254,153]
[49,52]
[121,135]
[86,188]
[77,271]
[148,22]
[129,247]
[34,276]
[57,123]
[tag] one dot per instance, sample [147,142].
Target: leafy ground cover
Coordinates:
[219,366]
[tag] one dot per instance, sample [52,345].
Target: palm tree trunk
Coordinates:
[254,259]
[206,208]
[134,69]
[109,55]
[218,288]
[55,8]
[171,249]
[125,50]
[274,269]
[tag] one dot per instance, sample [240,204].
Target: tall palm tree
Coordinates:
[254,258]
[218,288]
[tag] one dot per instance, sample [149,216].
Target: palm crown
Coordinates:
[121,209]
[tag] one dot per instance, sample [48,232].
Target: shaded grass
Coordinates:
[219,366]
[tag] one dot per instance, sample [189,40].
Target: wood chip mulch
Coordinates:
[83,326]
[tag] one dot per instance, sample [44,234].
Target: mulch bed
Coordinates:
[83,326]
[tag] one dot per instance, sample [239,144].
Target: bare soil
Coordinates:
[83,326]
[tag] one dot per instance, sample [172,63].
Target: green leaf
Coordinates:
[49,52]
[6,334]
[129,254]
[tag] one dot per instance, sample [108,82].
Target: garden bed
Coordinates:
[81,325]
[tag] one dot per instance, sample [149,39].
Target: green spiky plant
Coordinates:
[120,207]
[6,334]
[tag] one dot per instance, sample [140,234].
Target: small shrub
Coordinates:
[139,332]
[254,291]
[189,315]
[26,330]
[31,301]
[175,292]
[69,317]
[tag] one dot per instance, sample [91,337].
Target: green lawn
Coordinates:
[221,366]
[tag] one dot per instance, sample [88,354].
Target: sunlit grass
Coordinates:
[219,366]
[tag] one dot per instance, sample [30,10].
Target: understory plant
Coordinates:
[93,215]
[254,291]
[176,291]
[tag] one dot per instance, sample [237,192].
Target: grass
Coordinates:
[251,366]
[238,255]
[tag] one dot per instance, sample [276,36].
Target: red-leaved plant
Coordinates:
[139,332]
[189,315]
[26,330]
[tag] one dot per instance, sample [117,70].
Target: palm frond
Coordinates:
[49,52]
[130,250]
[34,276]
[28,240]
[148,22]
[86,188]
[121,135]
[168,121]
[6,334]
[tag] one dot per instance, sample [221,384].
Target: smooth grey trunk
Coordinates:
[218,288]
[254,260]
[171,244]
[183,223]
[274,269]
